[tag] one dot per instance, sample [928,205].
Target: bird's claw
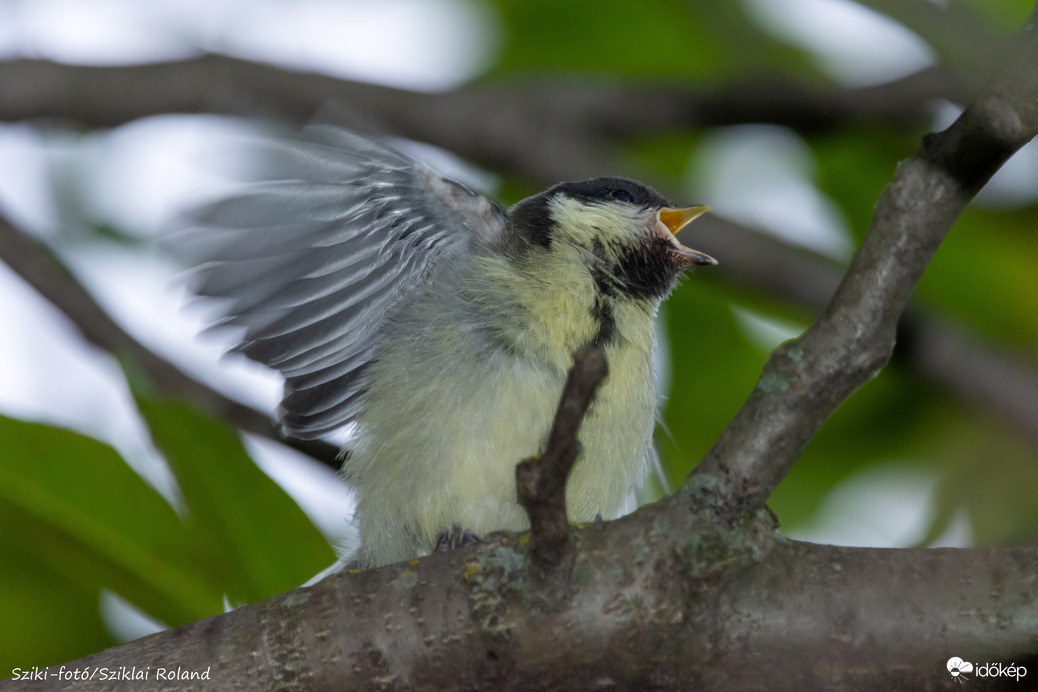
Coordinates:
[456,537]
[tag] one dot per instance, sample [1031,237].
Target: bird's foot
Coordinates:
[455,538]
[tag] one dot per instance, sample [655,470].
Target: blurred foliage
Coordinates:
[74,514]
[75,519]
[251,539]
[669,39]
[984,275]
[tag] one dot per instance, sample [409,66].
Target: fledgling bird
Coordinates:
[443,327]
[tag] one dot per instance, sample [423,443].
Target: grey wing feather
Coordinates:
[311,261]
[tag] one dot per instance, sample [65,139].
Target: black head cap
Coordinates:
[533,214]
[612,190]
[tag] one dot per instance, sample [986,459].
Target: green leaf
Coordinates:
[664,39]
[250,536]
[876,424]
[71,502]
[856,164]
[50,614]
[714,368]
[992,474]
[984,274]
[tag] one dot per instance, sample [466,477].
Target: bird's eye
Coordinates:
[622,196]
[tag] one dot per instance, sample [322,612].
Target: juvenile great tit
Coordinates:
[443,327]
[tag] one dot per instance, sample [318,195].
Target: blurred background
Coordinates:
[127,506]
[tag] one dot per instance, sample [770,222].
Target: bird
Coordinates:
[439,327]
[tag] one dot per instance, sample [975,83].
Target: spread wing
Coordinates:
[311,261]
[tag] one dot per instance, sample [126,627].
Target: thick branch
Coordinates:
[44,271]
[114,95]
[552,129]
[692,607]
[806,379]
[541,481]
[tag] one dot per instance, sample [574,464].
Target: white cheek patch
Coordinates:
[582,223]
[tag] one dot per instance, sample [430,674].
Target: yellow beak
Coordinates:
[676,219]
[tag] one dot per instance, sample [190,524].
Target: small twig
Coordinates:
[44,271]
[542,480]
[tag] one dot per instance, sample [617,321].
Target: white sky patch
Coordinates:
[883,506]
[765,331]
[124,620]
[25,197]
[419,44]
[853,43]
[137,291]
[148,172]
[102,32]
[760,175]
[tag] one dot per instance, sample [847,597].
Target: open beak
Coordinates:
[676,219]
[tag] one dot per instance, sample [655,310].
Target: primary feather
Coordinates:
[314,260]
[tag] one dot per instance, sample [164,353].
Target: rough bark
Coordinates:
[671,597]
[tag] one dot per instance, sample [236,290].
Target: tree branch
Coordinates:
[804,380]
[541,481]
[696,606]
[545,130]
[115,95]
[44,271]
